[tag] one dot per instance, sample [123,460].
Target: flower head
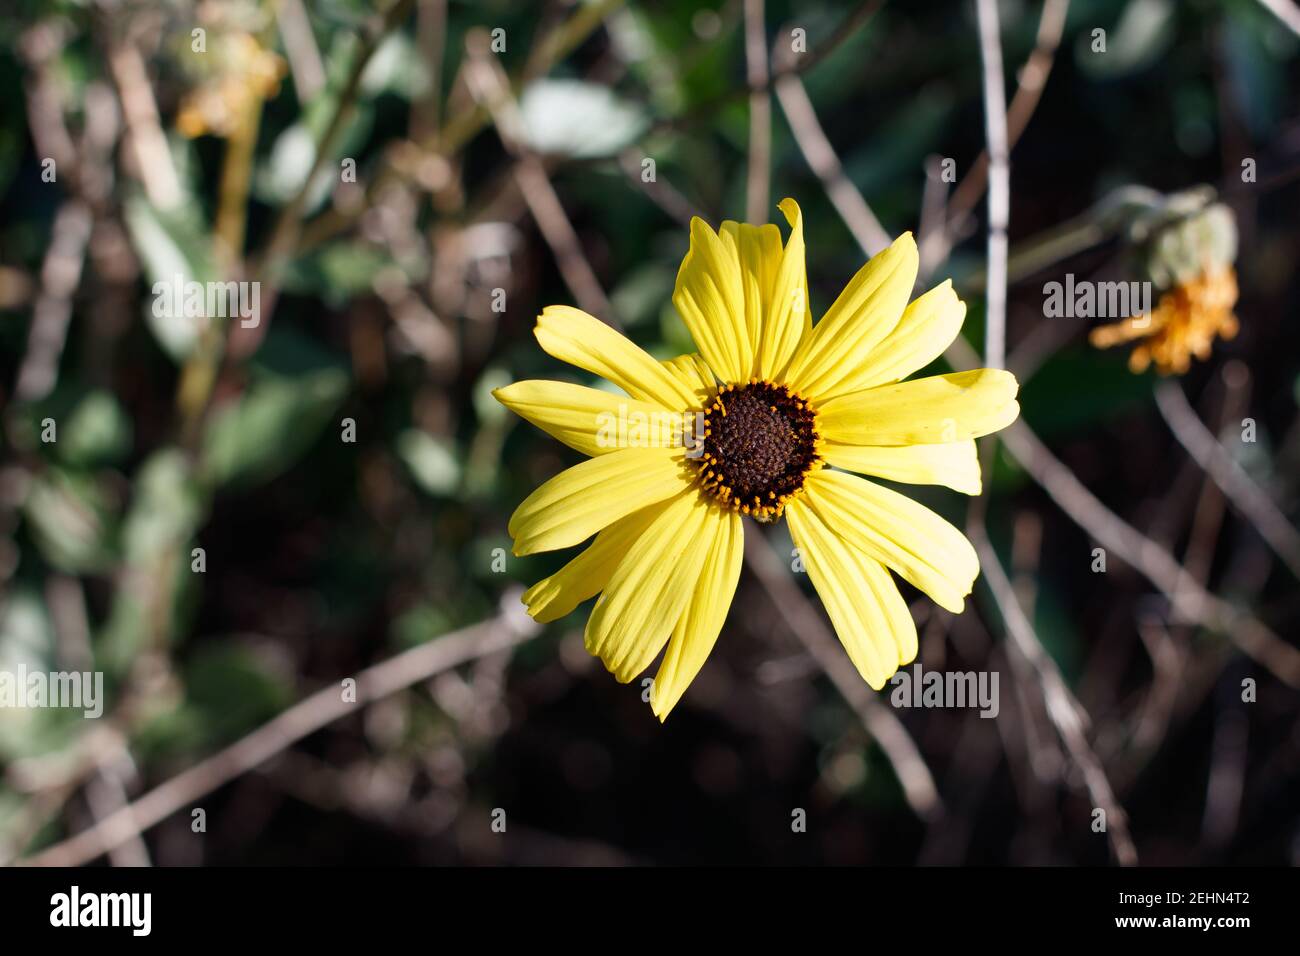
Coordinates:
[1186,247]
[766,419]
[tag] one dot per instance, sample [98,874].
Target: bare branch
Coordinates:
[1248,497]
[491,88]
[995,133]
[758,185]
[307,716]
[1066,714]
[806,624]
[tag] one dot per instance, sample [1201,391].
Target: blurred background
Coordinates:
[232,521]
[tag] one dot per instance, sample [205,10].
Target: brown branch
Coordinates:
[887,730]
[1248,497]
[491,88]
[821,157]
[758,184]
[1065,712]
[306,717]
[1029,90]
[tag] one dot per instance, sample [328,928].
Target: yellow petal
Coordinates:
[789,319]
[870,616]
[573,336]
[924,411]
[927,327]
[582,500]
[693,372]
[586,575]
[711,301]
[866,311]
[910,538]
[697,629]
[758,252]
[954,464]
[650,589]
[590,420]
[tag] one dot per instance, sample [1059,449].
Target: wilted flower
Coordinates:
[1187,254]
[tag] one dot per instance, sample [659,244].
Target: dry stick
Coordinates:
[661,192]
[1064,710]
[934,203]
[1249,498]
[554,47]
[431,35]
[758,184]
[806,61]
[300,45]
[817,150]
[1286,11]
[995,134]
[60,276]
[800,616]
[153,158]
[1029,89]
[491,88]
[307,716]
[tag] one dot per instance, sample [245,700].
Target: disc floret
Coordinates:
[760,443]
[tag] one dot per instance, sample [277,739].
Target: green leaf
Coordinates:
[72,519]
[96,432]
[166,510]
[260,434]
[434,464]
[173,248]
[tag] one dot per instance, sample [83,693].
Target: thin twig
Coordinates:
[817,150]
[60,276]
[1286,11]
[887,730]
[995,133]
[1066,713]
[758,184]
[787,66]
[491,87]
[300,45]
[153,158]
[307,716]
[1029,89]
[1232,479]
[661,192]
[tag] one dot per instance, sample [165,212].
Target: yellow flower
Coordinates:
[768,402]
[1183,324]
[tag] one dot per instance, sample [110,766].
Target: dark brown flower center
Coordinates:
[760,442]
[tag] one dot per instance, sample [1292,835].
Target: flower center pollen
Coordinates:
[760,443]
